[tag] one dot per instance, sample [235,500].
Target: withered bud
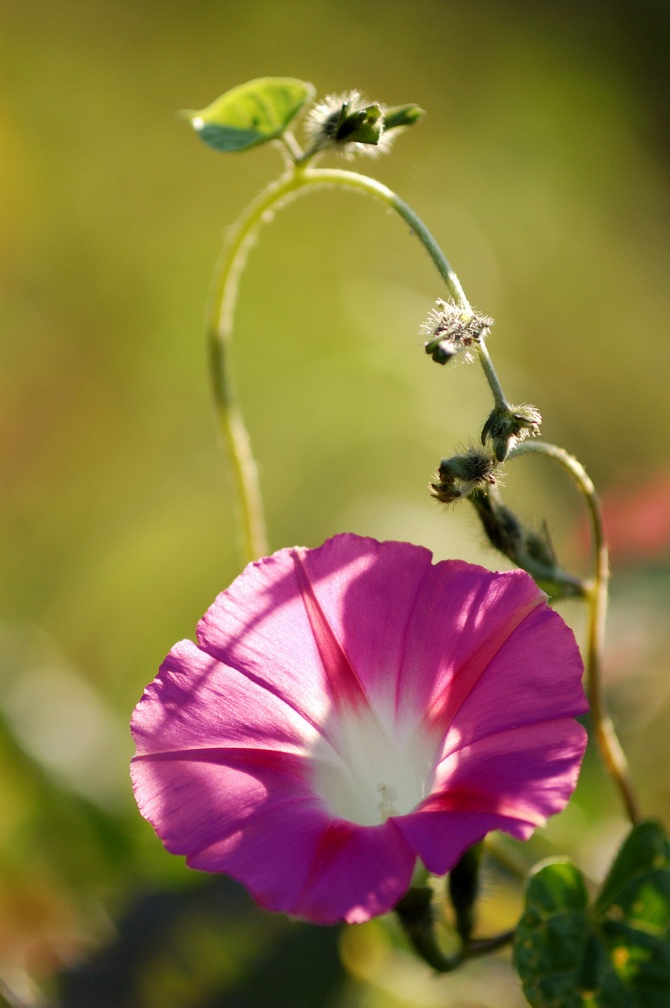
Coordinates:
[525,547]
[540,547]
[507,426]
[452,330]
[503,529]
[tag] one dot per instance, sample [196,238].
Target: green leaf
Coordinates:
[615,954]
[252,113]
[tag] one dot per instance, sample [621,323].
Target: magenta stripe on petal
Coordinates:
[344,683]
[445,706]
[249,760]
[357,873]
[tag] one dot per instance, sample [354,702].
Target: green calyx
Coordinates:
[355,125]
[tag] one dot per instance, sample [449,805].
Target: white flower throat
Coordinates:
[377,774]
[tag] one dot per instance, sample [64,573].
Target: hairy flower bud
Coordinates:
[349,124]
[460,475]
[529,549]
[452,330]
[503,529]
[507,426]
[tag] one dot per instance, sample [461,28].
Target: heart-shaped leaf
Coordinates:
[615,954]
[252,113]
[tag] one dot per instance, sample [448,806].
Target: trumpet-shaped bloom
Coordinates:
[350,709]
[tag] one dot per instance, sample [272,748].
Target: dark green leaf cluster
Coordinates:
[613,954]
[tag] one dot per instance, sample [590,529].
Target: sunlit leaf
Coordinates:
[613,955]
[252,113]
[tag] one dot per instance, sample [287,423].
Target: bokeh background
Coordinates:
[542,167]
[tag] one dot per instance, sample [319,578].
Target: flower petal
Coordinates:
[250,814]
[196,701]
[345,685]
[368,592]
[464,616]
[527,773]
[262,627]
[441,838]
[519,685]
[358,872]
[194,798]
[512,781]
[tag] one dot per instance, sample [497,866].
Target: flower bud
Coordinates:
[460,475]
[452,330]
[540,547]
[503,529]
[442,349]
[507,426]
[529,549]
[346,122]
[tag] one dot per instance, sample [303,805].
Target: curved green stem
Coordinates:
[222,308]
[608,743]
[220,317]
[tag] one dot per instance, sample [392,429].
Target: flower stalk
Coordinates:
[416,916]
[596,595]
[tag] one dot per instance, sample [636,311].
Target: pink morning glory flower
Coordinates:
[352,709]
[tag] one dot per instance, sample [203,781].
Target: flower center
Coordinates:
[377,774]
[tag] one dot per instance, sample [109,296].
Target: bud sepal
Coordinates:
[507,426]
[350,125]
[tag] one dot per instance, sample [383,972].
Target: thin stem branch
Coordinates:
[491,376]
[608,743]
[220,317]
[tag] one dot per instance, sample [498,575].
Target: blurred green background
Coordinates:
[542,168]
